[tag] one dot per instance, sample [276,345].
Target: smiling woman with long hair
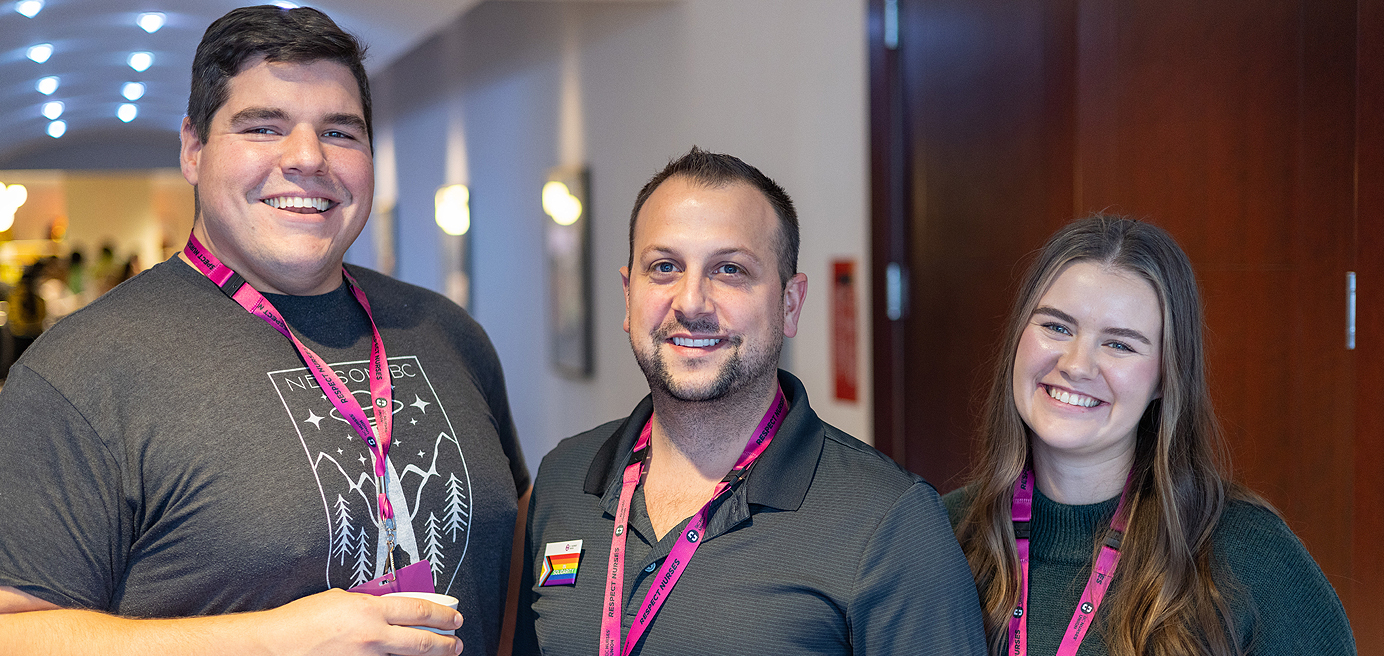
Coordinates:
[1102,469]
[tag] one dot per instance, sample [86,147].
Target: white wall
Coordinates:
[623,87]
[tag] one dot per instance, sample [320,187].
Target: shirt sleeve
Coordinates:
[1283,603]
[914,592]
[66,530]
[485,363]
[498,397]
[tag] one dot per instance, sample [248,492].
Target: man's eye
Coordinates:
[664,267]
[338,134]
[731,269]
[261,131]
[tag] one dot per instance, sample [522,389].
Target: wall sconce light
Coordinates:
[559,203]
[568,237]
[11,198]
[453,207]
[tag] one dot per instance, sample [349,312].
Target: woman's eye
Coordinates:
[1057,328]
[1120,346]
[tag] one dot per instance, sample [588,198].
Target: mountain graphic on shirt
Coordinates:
[428,483]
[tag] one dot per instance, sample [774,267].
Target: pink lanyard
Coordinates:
[381,394]
[1096,585]
[687,544]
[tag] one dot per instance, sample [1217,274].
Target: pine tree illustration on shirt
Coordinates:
[344,527]
[427,481]
[457,514]
[433,545]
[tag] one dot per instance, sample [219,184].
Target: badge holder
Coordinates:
[413,578]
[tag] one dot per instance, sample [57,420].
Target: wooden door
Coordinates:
[1232,125]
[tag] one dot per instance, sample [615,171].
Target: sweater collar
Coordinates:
[1066,533]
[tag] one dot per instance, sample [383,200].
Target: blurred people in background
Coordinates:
[76,273]
[27,309]
[53,288]
[107,272]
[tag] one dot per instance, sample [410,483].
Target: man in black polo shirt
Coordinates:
[793,536]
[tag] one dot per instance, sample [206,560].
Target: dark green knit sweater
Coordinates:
[1281,601]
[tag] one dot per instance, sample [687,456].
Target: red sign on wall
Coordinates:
[844,344]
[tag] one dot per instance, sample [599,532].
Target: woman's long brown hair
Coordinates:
[1163,600]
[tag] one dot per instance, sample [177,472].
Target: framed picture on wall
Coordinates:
[568,245]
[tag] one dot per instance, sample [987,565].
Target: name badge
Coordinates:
[560,560]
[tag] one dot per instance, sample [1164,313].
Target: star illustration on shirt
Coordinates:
[413,422]
[419,403]
[314,419]
[362,459]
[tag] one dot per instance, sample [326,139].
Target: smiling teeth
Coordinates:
[695,343]
[319,204]
[1072,399]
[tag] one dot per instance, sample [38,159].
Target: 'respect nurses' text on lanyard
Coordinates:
[381,395]
[687,544]
[1096,585]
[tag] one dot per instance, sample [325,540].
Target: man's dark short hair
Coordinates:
[718,170]
[297,36]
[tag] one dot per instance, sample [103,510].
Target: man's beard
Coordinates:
[744,365]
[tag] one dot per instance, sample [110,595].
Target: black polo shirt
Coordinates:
[827,547]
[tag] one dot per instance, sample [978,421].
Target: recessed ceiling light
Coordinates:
[52,110]
[47,85]
[41,52]
[127,112]
[132,90]
[285,4]
[57,129]
[150,21]
[29,8]
[141,61]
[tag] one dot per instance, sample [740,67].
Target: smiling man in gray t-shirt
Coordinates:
[165,453]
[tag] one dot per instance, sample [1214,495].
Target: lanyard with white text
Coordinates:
[1096,585]
[687,544]
[381,395]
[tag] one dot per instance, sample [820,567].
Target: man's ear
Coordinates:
[625,278]
[794,293]
[190,154]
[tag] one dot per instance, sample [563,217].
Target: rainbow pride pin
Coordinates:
[560,560]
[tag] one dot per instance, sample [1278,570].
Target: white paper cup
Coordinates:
[440,599]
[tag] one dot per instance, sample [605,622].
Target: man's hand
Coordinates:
[331,622]
[339,622]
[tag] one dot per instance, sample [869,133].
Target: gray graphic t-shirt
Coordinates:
[164,453]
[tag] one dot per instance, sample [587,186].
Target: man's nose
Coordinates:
[693,296]
[303,153]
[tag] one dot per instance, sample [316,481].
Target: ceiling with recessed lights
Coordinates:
[117,71]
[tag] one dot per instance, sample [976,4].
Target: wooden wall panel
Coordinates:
[1367,611]
[989,86]
[1232,127]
